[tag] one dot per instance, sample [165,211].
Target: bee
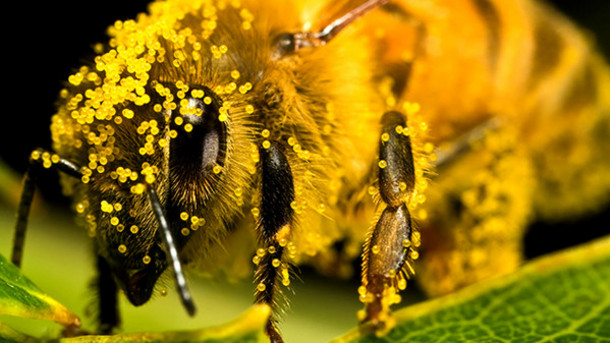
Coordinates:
[438,129]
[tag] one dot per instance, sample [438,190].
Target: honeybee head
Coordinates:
[167,126]
[177,143]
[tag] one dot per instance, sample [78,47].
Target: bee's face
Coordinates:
[185,167]
[193,137]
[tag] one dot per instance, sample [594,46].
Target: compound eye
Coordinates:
[200,140]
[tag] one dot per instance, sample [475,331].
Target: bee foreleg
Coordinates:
[39,160]
[388,253]
[107,300]
[275,220]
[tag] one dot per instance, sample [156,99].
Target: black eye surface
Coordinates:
[199,142]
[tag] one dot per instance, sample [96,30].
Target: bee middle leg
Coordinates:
[40,160]
[108,316]
[389,250]
[274,225]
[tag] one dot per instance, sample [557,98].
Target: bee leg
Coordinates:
[389,249]
[275,219]
[108,316]
[107,288]
[39,160]
[463,144]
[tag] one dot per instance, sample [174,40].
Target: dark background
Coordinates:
[43,44]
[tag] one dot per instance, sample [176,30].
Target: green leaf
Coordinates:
[20,297]
[248,328]
[564,297]
[8,335]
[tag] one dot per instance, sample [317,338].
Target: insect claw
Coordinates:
[273,333]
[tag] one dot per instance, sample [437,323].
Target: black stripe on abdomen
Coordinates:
[493,22]
[548,45]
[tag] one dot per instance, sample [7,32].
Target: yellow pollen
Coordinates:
[184,216]
[283,233]
[197,93]
[402,186]
[106,207]
[127,113]
[80,207]
[286,281]
[372,190]
[361,315]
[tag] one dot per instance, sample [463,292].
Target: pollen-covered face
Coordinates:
[169,105]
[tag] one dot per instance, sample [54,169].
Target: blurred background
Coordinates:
[42,47]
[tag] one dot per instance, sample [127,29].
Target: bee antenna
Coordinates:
[174,260]
[307,39]
[331,30]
